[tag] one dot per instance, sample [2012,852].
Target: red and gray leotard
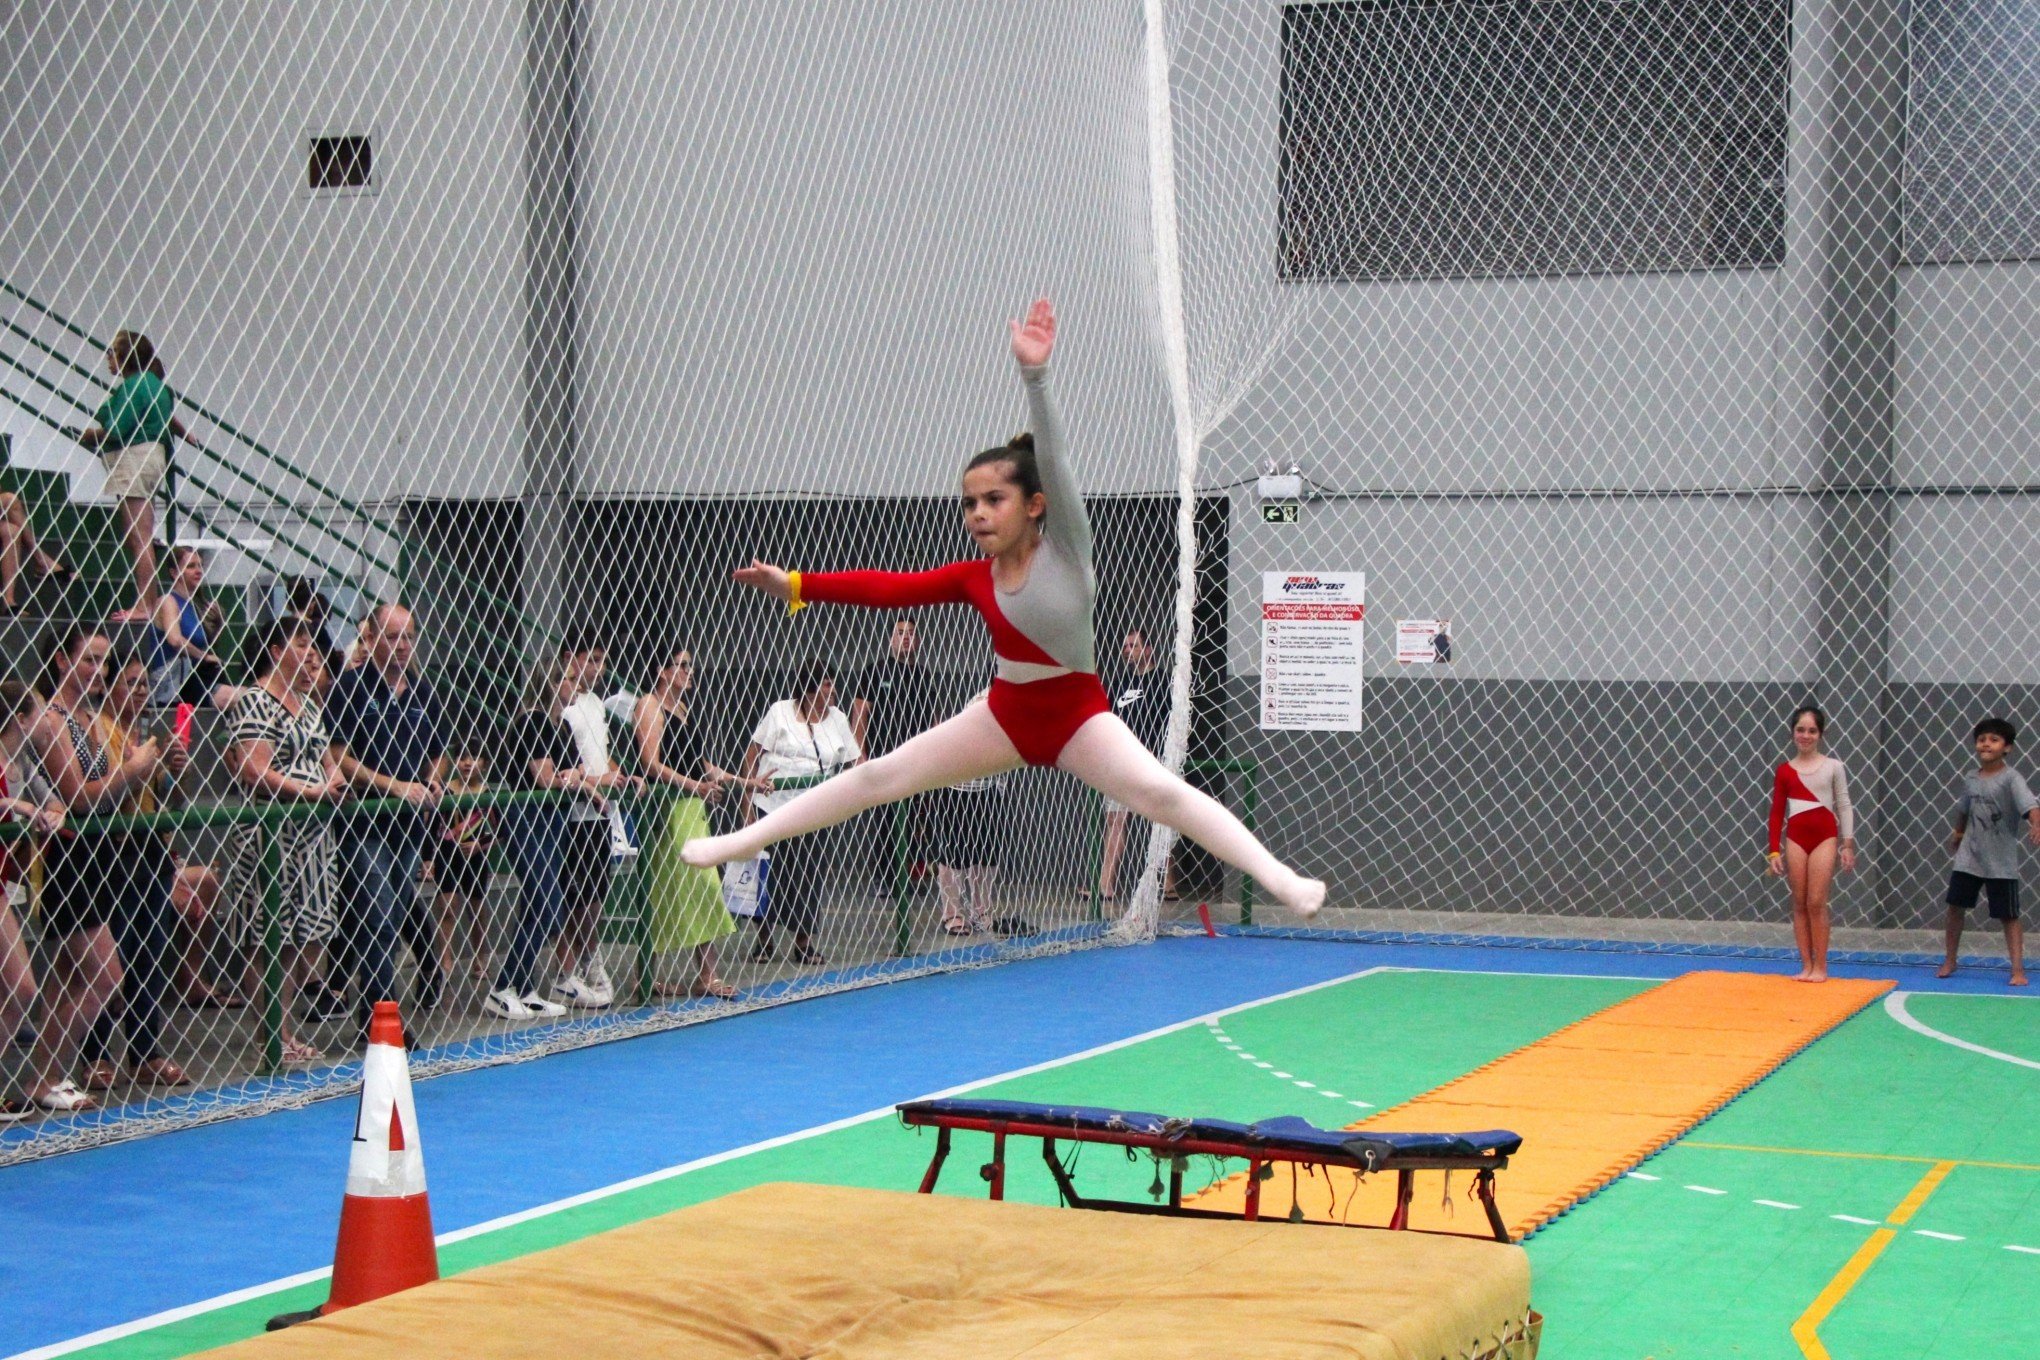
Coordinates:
[1046,684]
[1810,808]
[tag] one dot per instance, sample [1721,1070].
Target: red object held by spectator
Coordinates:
[180,725]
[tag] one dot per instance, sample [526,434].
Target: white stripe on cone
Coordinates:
[388,1159]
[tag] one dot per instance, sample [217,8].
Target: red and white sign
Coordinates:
[1312,631]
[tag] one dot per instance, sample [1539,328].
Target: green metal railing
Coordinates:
[270,816]
[409,556]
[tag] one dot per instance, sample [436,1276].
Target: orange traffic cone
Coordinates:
[385,1217]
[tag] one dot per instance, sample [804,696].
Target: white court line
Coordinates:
[2030,1251]
[1639,1175]
[1776,1204]
[1894,1006]
[218,1301]
[1517,972]
[1706,1190]
[1938,1236]
[1851,1218]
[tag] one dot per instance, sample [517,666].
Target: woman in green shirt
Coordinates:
[132,433]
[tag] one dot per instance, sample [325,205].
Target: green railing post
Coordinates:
[1097,878]
[273,1018]
[902,937]
[1246,880]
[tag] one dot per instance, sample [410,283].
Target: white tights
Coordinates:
[1103,753]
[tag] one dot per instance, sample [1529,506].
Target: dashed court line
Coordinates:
[1216,1030]
[1897,1218]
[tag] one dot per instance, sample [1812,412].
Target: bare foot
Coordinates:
[1801,975]
[1305,896]
[2018,979]
[1946,970]
[1817,976]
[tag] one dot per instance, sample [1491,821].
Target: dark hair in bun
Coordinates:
[1018,454]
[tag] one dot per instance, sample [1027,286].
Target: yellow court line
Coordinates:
[1929,1183]
[1859,1156]
[1806,1331]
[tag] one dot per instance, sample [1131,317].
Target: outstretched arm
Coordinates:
[873,589]
[1069,526]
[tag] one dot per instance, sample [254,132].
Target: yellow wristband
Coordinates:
[1775,854]
[794,603]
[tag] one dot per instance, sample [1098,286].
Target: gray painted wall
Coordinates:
[152,172]
[807,224]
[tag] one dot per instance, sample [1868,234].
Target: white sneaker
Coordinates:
[506,1004]
[578,994]
[539,1006]
[595,975]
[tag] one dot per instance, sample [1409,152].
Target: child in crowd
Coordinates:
[1986,843]
[460,865]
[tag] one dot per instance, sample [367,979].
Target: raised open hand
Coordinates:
[1034,338]
[766,577]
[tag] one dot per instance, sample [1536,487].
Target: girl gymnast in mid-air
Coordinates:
[1034,587]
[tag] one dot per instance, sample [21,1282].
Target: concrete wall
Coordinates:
[807,225]
[152,175]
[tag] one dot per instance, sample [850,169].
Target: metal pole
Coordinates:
[272,945]
[901,937]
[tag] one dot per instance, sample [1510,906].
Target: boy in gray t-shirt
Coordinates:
[1995,800]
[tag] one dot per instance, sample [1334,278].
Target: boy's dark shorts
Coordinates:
[1963,890]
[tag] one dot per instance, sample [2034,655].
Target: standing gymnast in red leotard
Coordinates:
[1813,825]
[1034,588]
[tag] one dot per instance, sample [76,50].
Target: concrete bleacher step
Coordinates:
[83,535]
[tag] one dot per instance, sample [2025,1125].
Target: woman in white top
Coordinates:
[799,738]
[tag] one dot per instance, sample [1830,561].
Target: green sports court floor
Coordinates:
[1878,1196]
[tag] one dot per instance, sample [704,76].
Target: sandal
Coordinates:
[206,999]
[159,1072]
[717,988]
[809,955]
[101,1076]
[65,1098]
[955,928]
[296,1053]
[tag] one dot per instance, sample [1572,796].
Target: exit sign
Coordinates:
[1278,512]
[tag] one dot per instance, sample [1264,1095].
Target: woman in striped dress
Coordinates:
[278,752]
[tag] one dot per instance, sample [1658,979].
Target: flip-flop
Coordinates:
[159,1072]
[65,1098]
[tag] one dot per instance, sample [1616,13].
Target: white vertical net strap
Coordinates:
[540,319]
[1681,356]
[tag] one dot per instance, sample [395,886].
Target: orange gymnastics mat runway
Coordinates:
[1591,1100]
